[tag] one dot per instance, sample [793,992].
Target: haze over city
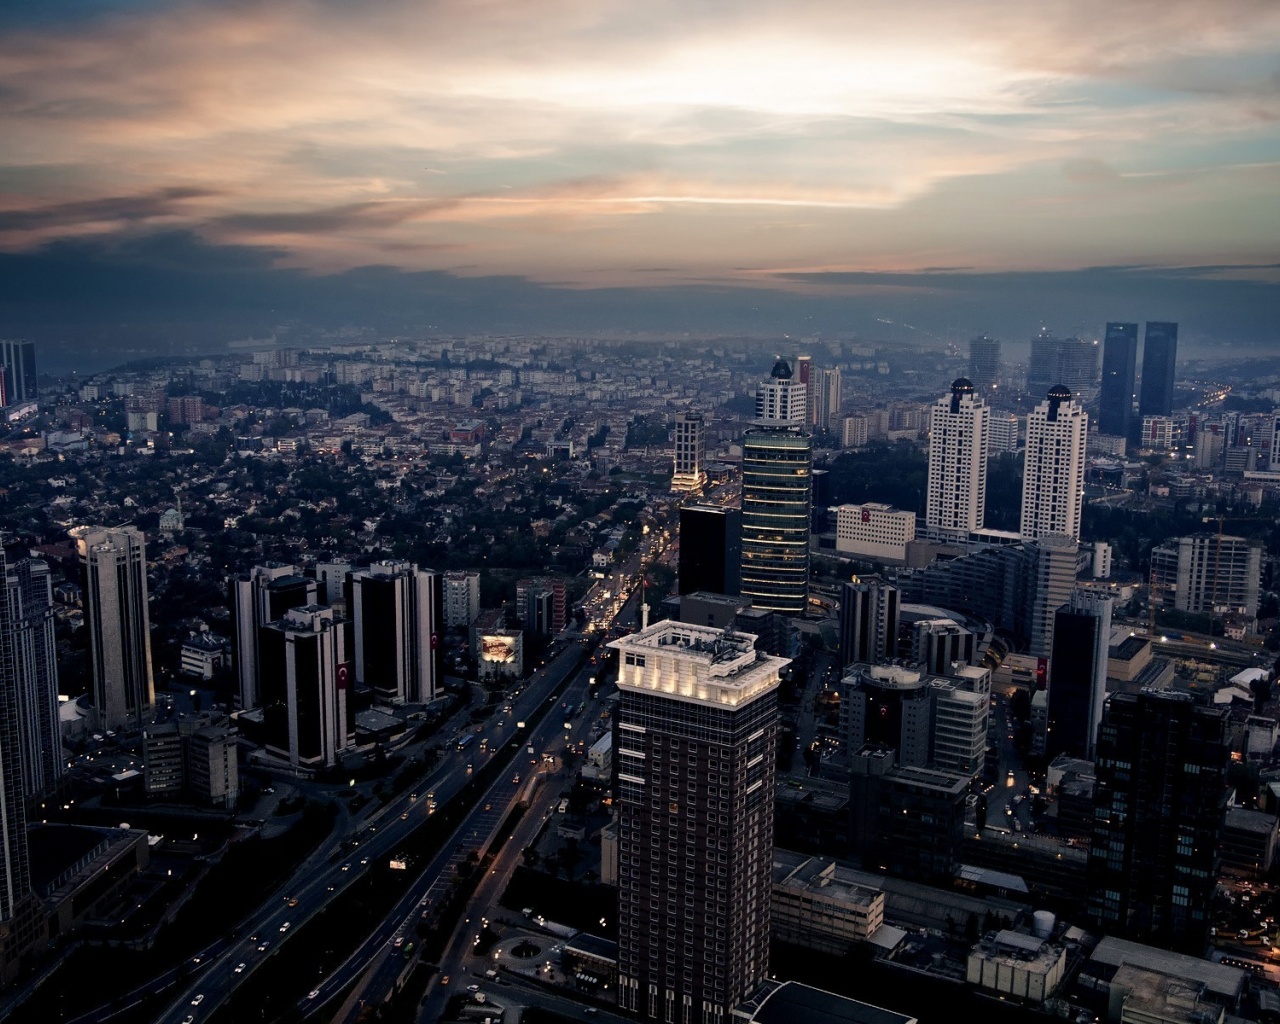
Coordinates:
[194,170]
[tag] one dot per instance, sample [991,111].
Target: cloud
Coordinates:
[571,139]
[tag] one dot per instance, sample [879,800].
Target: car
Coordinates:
[239,968]
[469,769]
[189,1019]
[198,999]
[262,947]
[444,980]
[405,816]
[364,860]
[473,988]
[346,867]
[284,927]
[293,902]
[313,993]
[399,941]
[515,779]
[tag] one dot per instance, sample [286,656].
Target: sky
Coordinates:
[943,166]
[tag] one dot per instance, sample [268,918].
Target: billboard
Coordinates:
[499,648]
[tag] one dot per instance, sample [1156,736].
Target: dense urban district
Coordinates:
[522,679]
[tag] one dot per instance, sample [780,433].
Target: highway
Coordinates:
[324,877]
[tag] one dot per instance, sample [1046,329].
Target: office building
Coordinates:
[874,531]
[1053,578]
[305,674]
[18,361]
[777,479]
[937,645]
[710,549]
[1273,454]
[1004,433]
[261,597]
[15,873]
[958,439]
[1078,674]
[806,377]
[868,621]
[984,363]
[461,597]
[396,615]
[1119,363]
[1053,467]
[1071,362]
[854,432]
[29,669]
[113,565]
[1159,356]
[827,399]
[695,751]
[889,706]
[1160,799]
[1204,573]
[541,603]
[690,452]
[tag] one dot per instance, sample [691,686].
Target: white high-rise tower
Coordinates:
[1053,471]
[959,435]
[690,450]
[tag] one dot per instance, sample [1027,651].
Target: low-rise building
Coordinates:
[874,530]
[1013,964]
[818,905]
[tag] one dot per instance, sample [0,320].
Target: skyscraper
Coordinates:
[263,596]
[828,399]
[15,867]
[806,378]
[18,360]
[1053,470]
[396,619]
[690,450]
[1078,674]
[1072,362]
[305,678]
[1159,803]
[958,438]
[984,362]
[868,621]
[30,668]
[113,564]
[710,549]
[461,597]
[1119,358]
[695,740]
[1159,355]
[777,497]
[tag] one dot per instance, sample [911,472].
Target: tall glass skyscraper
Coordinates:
[777,497]
[1159,354]
[1119,359]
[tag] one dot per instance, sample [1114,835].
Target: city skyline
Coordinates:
[891,165]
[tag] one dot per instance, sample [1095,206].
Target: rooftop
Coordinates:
[791,1001]
[1219,979]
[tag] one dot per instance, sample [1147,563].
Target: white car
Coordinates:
[198,999]
[284,927]
[239,968]
[313,993]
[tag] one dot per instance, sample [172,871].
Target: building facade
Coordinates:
[30,669]
[984,363]
[461,597]
[305,676]
[396,613]
[1205,573]
[1078,674]
[1119,374]
[1053,468]
[18,361]
[113,565]
[261,597]
[1160,800]
[875,531]
[710,556]
[958,439]
[694,753]
[1159,356]
[690,452]
[868,621]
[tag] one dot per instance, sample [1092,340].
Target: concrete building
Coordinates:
[113,564]
[461,597]
[690,452]
[959,728]
[18,368]
[854,432]
[817,905]
[396,615]
[1078,674]
[548,617]
[710,550]
[1013,964]
[782,399]
[959,436]
[212,766]
[1205,574]
[162,770]
[868,621]
[874,531]
[1005,433]
[202,656]
[984,363]
[305,678]
[827,399]
[696,732]
[1053,467]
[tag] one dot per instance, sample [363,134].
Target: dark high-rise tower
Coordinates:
[1159,354]
[694,742]
[256,600]
[710,549]
[1119,359]
[113,564]
[30,668]
[868,621]
[18,360]
[396,620]
[1159,803]
[15,873]
[984,362]
[1078,674]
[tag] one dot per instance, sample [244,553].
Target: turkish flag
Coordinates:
[344,673]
